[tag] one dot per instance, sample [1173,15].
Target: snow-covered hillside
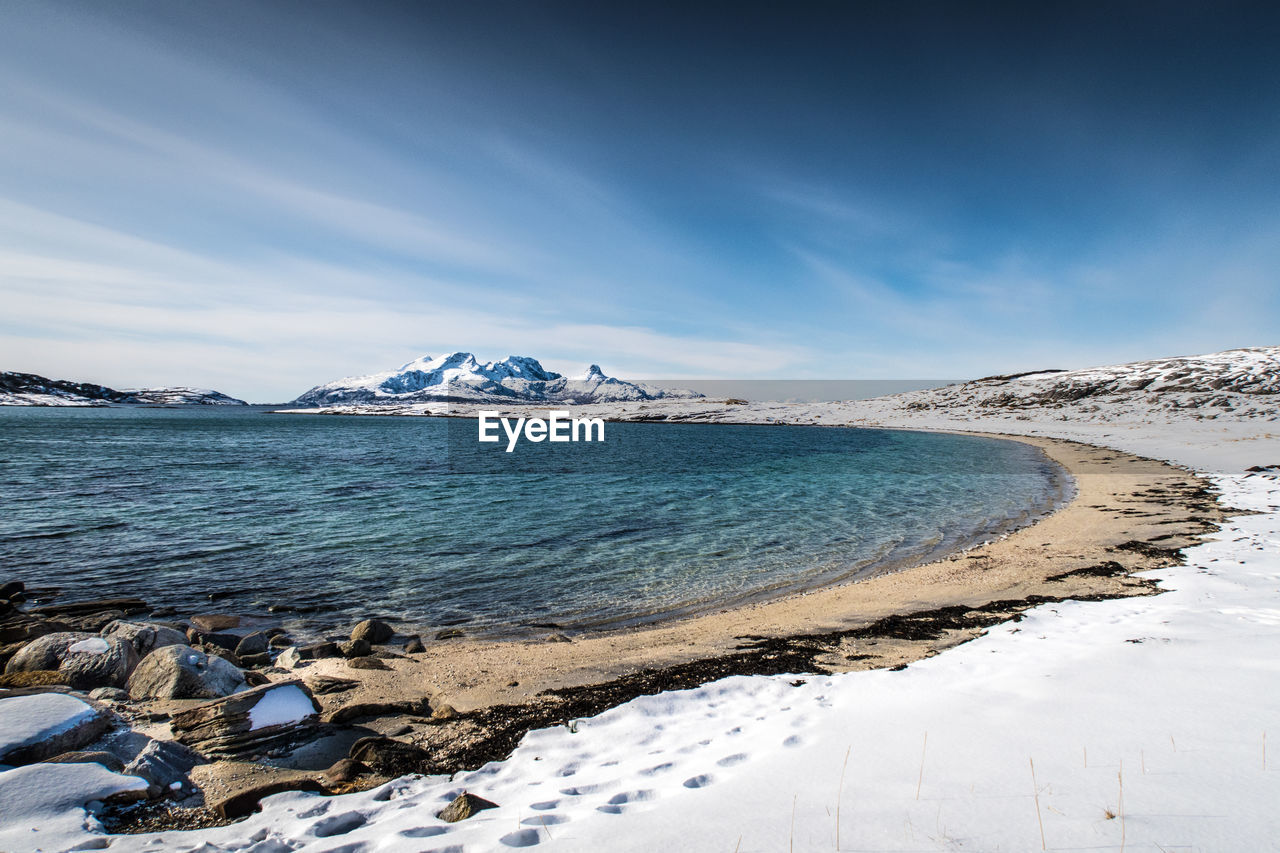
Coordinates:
[28,389]
[459,377]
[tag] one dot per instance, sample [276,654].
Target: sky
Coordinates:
[259,197]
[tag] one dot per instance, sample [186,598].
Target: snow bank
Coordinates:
[43,806]
[28,720]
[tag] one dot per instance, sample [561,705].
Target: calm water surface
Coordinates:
[412,518]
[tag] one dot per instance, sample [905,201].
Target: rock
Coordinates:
[108,694]
[316,651]
[213,622]
[163,613]
[372,631]
[164,762]
[81,608]
[144,637]
[181,672]
[463,807]
[389,757]
[367,663]
[85,661]
[356,710]
[23,627]
[325,684]
[35,678]
[33,728]
[280,641]
[197,637]
[263,659]
[252,644]
[216,651]
[274,631]
[106,759]
[248,722]
[558,638]
[449,634]
[443,712]
[11,588]
[289,658]
[414,646]
[355,648]
[344,770]
[92,622]
[245,800]
[255,679]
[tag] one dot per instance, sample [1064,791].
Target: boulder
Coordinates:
[248,722]
[355,648]
[82,608]
[109,694]
[197,637]
[414,646]
[444,711]
[106,759]
[144,637]
[356,710]
[367,663]
[463,807]
[280,641]
[40,726]
[53,798]
[372,631]
[245,799]
[450,634]
[263,659]
[252,644]
[181,672]
[326,684]
[86,661]
[35,678]
[344,770]
[164,763]
[23,627]
[213,622]
[9,589]
[389,757]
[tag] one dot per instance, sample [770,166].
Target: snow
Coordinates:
[91,646]
[43,806]
[284,705]
[460,376]
[27,720]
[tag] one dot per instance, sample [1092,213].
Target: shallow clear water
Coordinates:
[412,518]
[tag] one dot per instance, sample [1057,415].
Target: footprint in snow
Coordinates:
[339,824]
[520,838]
[730,760]
[700,781]
[423,831]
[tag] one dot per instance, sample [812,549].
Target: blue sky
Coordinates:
[260,197]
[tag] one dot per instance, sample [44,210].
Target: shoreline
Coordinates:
[1096,527]
[465,703]
[469,701]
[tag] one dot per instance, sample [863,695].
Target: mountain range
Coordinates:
[460,378]
[28,389]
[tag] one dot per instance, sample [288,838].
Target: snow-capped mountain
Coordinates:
[459,377]
[28,389]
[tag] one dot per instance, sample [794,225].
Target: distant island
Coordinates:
[28,389]
[460,378]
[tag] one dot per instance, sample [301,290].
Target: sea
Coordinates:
[322,520]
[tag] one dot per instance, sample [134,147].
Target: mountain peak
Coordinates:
[460,377]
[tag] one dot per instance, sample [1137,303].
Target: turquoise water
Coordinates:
[412,518]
